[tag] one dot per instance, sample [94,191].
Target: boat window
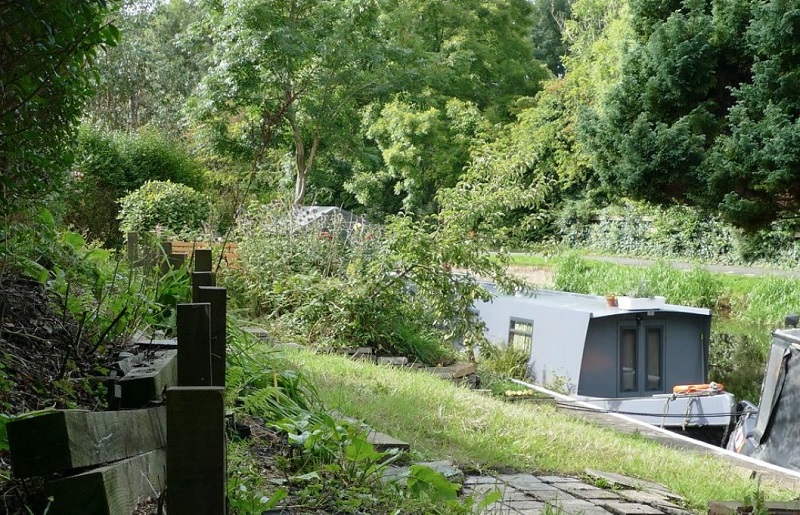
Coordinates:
[520,334]
[653,358]
[627,360]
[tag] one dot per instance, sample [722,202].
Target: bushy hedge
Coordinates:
[174,209]
[110,165]
[676,233]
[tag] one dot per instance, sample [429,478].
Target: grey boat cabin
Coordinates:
[625,358]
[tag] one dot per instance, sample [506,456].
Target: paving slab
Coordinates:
[656,499]
[552,495]
[558,479]
[576,506]
[629,508]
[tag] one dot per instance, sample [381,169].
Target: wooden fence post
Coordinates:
[176,260]
[202,260]
[196,450]
[133,248]
[217,298]
[163,257]
[202,279]
[194,344]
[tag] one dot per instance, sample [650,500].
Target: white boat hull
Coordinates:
[672,411]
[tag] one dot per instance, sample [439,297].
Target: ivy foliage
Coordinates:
[173,209]
[48,52]
[676,232]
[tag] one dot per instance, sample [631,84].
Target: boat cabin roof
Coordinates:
[595,305]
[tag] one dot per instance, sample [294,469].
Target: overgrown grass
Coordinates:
[762,301]
[440,420]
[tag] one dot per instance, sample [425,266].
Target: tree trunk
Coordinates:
[303,163]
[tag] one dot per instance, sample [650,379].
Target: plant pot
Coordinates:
[641,303]
[611,300]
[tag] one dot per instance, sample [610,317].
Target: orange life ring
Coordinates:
[697,388]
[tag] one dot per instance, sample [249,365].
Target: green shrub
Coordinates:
[388,288]
[110,165]
[175,209]
[677,232]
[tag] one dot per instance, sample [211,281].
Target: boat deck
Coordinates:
[747,466]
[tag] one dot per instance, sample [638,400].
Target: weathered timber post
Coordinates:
[202,279]
[133,248]
[176,260]
[194,344]
[217,298]
[196,450]
[163,258]
[202,260]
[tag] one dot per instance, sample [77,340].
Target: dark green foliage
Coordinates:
[737,360]
[707,110]
[110,165]
[660,119]
[174,210]
[675,130]
[46,59]
[549,16]
[646,15]
[757,163]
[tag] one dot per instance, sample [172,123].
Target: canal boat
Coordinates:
[769,431]
[640,357]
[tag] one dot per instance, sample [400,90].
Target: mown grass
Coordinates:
[441,420]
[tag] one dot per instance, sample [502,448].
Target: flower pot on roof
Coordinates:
[641,303]
[641,298]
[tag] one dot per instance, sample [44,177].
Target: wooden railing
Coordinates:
[169,433]
[177,251]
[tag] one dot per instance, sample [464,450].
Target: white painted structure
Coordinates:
[621,360]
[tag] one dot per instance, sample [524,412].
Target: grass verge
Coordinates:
[440,420]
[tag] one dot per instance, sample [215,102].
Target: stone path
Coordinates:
[526,494]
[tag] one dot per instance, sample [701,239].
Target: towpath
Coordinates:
[543,275]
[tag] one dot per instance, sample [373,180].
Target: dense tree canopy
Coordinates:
[149,75]
[755,172]
[291,73]
[395,105]
[48,50]
[299,76]
[669,107]
[705,112]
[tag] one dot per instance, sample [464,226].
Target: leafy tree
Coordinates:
[478,51]
[537,162]
[147,78]
[424,148]
[755,167]
[290,71]
[705,116]
[549,17]
[48,53]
